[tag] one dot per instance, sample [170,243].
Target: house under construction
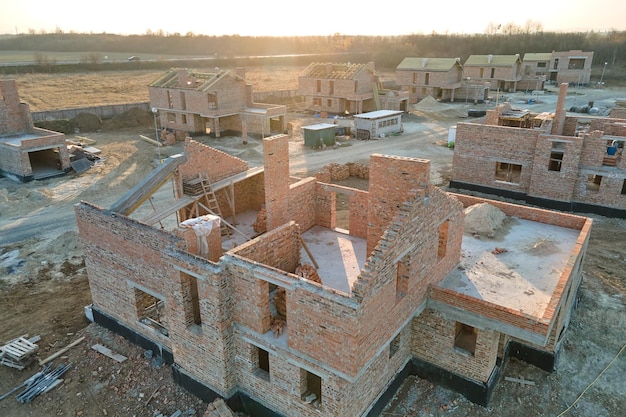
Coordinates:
[252,292]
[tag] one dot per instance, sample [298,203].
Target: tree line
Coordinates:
[386,51]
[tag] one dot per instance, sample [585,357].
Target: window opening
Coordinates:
[465,338]
[394,346]
[311,388]
[508,172]
[263,363]
[151,311]
[443,239]
[556,156]
[593,182]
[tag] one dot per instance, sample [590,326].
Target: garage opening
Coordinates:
[45,163]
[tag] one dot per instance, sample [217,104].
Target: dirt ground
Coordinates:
[43,289]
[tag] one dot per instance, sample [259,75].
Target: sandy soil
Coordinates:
[43,289]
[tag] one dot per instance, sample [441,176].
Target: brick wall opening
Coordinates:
[593,182]
[556,156]
[151,311]
[508,172]
[624,187]
[394,346]
[311,388]
[402,278]
[443,239]
[262,358]
[191,300]
[465,338]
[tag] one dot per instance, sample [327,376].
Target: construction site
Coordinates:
[296,281]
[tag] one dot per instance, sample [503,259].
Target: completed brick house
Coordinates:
[572,163]
[346,88]
[502,71]
[436,77]
[392,295]
[26,152]
[213,103]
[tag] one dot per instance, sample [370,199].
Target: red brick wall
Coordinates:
[433,342]
[14,116]
[276,162]
[202,159]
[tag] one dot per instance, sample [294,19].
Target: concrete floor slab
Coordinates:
[524,277]
[339,255]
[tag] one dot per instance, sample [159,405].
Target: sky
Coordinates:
[300,18]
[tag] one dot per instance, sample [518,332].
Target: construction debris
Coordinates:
[43,383]
[18,352]
[62,351]
[277,325]
[108,352]
[218,408]
[519,381]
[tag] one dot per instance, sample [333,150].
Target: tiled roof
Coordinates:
[334,71]
[428,64]
[492,60]
[541,56]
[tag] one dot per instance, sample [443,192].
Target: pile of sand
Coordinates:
[483,219]
[429,104]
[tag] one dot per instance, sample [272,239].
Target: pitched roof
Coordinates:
[201,81]
[428,64]
[540,56]
[492,60]
[336,71]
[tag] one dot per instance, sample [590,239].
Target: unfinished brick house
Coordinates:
[571,163]
[26,152]
[436,77]
[295,317]
[572,67]
[215,103]
[337,88]
[502,71]
[535,71]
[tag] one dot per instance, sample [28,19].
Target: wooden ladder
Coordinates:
[212,203]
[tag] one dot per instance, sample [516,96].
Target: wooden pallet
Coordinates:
[17,353]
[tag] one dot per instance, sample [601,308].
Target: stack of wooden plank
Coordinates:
[18,353]
[218,408]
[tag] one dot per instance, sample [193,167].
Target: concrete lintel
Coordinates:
[403,254]
[297,358]
[261,271]
[185,257]
[481,322]
[155,294]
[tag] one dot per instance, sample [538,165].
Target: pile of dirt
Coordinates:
[483,219]
[134,117]
[12,202]
[86,122]
[429,104]
[61,126]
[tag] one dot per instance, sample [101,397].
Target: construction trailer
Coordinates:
[377,124]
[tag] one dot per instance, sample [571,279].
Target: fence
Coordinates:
[104,112]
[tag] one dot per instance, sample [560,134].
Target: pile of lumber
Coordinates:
[19,352]
[218,408]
